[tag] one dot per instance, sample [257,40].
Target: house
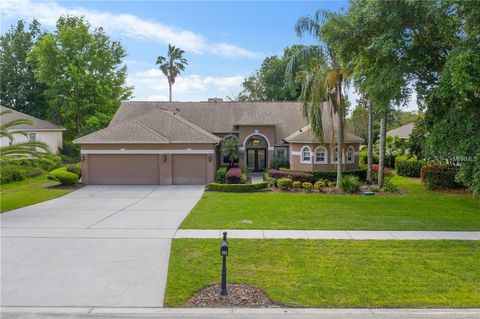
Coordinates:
[179,142]
[402,132]
[40,130]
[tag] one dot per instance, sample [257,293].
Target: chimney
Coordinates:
[215,99]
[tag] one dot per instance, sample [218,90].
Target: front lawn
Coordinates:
[419,209]
[27,192]
[334,273]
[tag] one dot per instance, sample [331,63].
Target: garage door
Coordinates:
[189,169]
[123,169]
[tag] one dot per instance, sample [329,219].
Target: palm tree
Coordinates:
[172,65]
[15,151]
[323,80]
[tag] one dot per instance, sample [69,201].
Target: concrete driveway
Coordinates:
[98,246]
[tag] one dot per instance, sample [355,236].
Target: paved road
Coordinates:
[239,313]
[102,246]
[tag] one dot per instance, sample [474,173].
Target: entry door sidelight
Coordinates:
[261,159]
[251,160]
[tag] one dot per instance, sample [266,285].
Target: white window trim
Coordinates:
[350,148]
[302,161]
[333,156]
[325,161]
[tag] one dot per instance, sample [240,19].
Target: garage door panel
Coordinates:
[190,169]
[123,169]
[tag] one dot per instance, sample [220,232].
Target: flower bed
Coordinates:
[296,176]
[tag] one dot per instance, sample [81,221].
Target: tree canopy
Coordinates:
[84,75]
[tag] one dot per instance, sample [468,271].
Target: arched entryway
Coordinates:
[256,148]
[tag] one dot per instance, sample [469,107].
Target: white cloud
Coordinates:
[151,84]
[124,24]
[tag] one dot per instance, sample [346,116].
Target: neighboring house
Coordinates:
[179,142]
[40,130]
[402,132]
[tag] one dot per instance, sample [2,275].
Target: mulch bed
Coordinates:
[239,295]
[72,187]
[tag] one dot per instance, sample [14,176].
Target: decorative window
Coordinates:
[281,151]
[350,154]
[306,154]
[32,137]
[256,141]
[335,155]
[321,155]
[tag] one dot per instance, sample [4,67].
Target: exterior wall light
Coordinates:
[209,158]
[164,158]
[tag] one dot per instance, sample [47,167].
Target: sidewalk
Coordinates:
[329,234]
[244,313]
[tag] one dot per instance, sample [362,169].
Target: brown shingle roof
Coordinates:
[402,131]
[37,124]
[218,117]
[304,135]
[156,126]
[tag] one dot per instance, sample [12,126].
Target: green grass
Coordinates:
[27,192]
[334,273]
[419,209]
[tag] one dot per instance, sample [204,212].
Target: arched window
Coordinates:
[306,155]
[335,155]
[321,155]
[256,141]
[350,154]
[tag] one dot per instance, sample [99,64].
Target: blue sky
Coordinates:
[224,41]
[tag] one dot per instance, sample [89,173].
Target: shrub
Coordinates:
[331,184]
[284,183]
[307,185]
[244,170]
[220,175]
[408,166]
[350,184]
[65,177]
[389,186]
[298,176]
[74,168]
[11,173]
[33,172]
[319,184]
[237,188]
[332,175]
[234,176]
[47,164]
[279,161]
[297,184]
[438,176]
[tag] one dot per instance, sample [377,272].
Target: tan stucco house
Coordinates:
[40,130]
[179,142]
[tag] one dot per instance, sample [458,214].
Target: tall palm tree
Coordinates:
[323,80]
[14,151]
[172,65]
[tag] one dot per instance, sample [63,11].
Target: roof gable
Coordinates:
[37,124]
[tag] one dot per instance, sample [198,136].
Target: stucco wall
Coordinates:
[52,138]
[295,158]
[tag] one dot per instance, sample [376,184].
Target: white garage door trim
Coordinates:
[116,152]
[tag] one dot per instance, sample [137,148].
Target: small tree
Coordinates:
[230,150]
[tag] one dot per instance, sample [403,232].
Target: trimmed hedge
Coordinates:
[74,168]
[234,176]
[296,176]
[332,175]
[220,175]
[284,183]
[408,166]
[237,188]
[438,176]
[65,177]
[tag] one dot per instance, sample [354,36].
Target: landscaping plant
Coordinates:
[63,176]
[350,184]
[297,184]
[284,183]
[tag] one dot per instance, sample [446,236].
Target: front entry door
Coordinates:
[256,159]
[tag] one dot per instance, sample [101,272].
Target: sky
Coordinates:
[225,41]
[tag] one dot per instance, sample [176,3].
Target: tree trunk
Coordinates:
[340,134]
[170,91]
[370,144]
[381,155]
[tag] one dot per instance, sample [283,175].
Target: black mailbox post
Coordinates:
[224,254]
